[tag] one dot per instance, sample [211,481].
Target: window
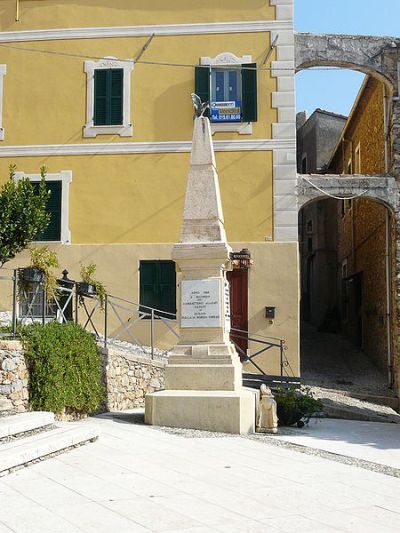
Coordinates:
[108,108]
[53,230]
[108,96]
[31,306]
[58,204]
[229,83]
[158,286]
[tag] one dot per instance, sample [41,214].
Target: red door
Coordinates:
[238,281]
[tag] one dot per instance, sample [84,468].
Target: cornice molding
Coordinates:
[142,147]
[140,31]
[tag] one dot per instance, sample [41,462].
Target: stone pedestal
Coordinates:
[203,380]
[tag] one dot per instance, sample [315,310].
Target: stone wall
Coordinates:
[13,378]
[129,377]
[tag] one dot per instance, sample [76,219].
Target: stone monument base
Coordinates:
[221,411]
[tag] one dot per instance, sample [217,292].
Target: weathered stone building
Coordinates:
[365,232]
[316,139]
[369,158]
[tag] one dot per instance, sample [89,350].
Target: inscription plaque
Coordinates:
[227,302]
[200,303]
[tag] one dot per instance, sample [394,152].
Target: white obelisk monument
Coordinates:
[203,381]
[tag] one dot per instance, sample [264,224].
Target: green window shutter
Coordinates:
[168,286]
[100,97]
[158,286]
[249,92]
[117,93]
[202,84]
[108,97]
[148,285]
[53,230]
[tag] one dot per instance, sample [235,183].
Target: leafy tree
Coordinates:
[23,214]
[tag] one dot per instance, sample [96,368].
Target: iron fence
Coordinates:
[119,322]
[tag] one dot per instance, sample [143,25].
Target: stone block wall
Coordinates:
[13,378]
[129,376]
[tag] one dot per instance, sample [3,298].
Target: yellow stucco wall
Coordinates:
[161,108]
[38,14]
[134,198]
[273,281]
[126,208]
[139,198]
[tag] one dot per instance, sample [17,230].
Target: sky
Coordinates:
[336,90]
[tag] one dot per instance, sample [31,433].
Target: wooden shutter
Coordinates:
[249,92]
[148,285]
[168,287]
[53,230]
[158,286]
[202,84]
[116,96]
[108,97]
[100,97]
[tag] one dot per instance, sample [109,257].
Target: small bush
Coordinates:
[294,405]
[65,368]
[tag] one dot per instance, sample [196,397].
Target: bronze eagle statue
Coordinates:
[199,106]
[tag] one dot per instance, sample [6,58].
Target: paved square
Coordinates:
[138,478]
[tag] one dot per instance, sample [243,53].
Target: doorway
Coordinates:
[238,282]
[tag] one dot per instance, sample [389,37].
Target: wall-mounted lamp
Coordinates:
[270,313]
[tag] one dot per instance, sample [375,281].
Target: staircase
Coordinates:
[30,437]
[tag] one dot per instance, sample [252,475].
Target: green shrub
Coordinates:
[65,368]
[294,405]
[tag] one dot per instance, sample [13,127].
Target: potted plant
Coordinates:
[296,406]
[89,286]
[43,261]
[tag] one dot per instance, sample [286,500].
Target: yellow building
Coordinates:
[99,92]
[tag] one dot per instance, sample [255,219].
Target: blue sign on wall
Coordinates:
[226,111]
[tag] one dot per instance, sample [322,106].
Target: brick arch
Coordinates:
[375,56]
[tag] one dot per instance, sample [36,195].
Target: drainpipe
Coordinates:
[388,302]
[386,116]
[386,125]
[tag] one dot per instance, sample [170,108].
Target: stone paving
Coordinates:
[139,478]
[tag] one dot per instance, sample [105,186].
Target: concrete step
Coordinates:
[66,435]
[24,422]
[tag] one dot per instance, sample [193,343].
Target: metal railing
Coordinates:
[120,322]
[264,344]
[125,317]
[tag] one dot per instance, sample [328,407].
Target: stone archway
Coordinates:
[378,57]
[348,309]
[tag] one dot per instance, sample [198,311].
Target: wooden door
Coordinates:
[238,281]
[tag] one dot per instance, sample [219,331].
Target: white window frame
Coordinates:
[125,129]
[227,59]
[65,176]
[3,71]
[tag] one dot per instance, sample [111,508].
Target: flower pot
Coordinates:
[86,289]
[289,417]
[32,275]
